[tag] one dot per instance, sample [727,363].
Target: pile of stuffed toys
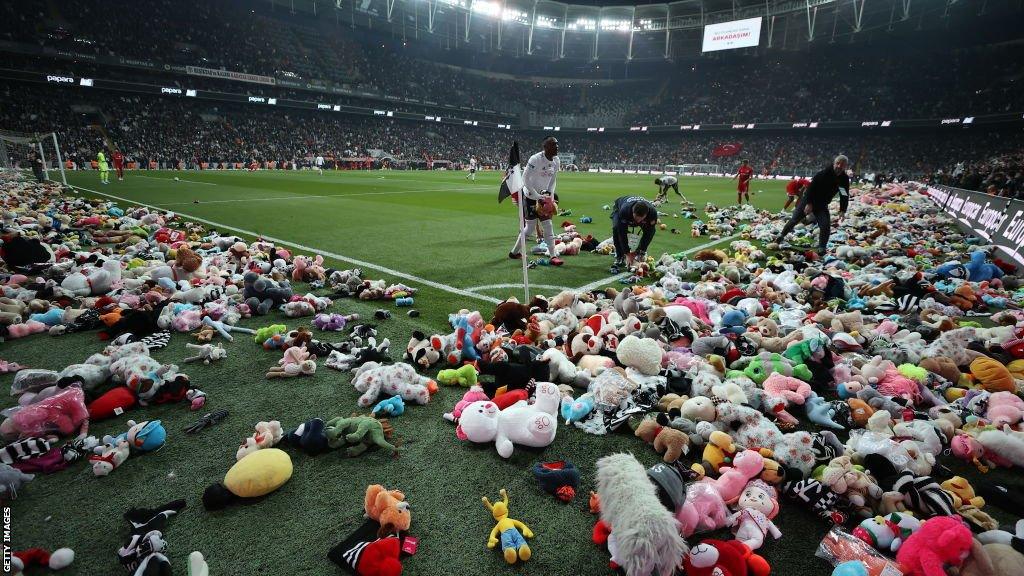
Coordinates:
[839,385]
[836,385]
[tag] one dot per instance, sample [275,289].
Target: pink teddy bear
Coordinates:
[781,391]
[1005,408]
[745,466]
[474,394]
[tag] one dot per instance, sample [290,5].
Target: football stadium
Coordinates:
[427,287]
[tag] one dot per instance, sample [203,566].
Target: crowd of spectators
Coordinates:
[827,83]
[168,130]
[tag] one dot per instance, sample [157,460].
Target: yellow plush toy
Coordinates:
[259,473]
[962,492]
[992,375]
[513,544]
[719,451]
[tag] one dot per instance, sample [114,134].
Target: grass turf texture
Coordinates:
[434,225]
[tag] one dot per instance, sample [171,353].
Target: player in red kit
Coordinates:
[744,174]
[794,190]
[119,164]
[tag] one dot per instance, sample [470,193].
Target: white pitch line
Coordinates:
[532,285]
[325,254]
[597,283]
[272,198]
[179,180]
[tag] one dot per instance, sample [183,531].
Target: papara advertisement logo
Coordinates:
[60,79]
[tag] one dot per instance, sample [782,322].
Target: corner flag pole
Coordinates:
[512,184]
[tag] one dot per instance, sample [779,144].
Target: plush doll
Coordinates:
[921,494]
[561,479]
[63,414]
[941,541]
[257,474]
[516,373]
[733,322]
[110,457]
[719,451]
[577,410]
[263,294]
[724,558]
[12,479]
[358,433]
[642,354]
[781,391]
[373,380]
[522,423]
[993,375]
[887,533]
[421,352]
[333,322]
[979,270]
[464,376]
[206,353]
[388,508]
[824,413]
[668,441]
[759,367]
[745,466]
[393,406]
[57,560]
[756,507]
[98,281]
[512,533]
[845,479]
[267,435]
[649,541]
[145,436]
[474,394]
[563,370]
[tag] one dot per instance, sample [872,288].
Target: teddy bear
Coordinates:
[746,465]
[1005,409]
[668,441]
[109,457]
[939,542]
[421,351]
[782,391]
[844,478]
[756,507]
[388,508]
[98,281]
[267,435]
[262,294]
[748,427]
[887,533]
[374,380]
[642,354]
[522,423]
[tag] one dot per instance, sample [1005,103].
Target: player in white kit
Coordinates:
[319,162]
[472,169]
[539,197]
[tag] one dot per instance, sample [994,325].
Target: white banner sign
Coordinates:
[229,75]
[735,34]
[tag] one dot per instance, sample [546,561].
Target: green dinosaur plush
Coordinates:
[765,364]
[464,376]
[804,350]
[268,331]
[358,433]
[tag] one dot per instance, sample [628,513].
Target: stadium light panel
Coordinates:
[85,82]
[616,25]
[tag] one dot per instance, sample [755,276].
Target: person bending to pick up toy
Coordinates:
[630,212]
[664,183]
[540,199]
[816,198]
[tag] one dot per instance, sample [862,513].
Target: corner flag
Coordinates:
[512,183]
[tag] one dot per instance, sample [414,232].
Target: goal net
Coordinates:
[18,150]
[695,168]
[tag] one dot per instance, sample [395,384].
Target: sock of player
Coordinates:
[518,247]
[549,236]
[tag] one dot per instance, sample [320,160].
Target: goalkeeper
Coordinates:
[101,163]
[630,212]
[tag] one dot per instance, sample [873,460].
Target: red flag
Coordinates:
[730,149]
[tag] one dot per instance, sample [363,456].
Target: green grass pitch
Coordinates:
[435,226]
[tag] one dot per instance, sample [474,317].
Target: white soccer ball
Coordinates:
[176,179]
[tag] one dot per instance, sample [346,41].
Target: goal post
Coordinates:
[17,147]
[683,169]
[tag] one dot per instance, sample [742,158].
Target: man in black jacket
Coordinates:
[628,212]
[824,187]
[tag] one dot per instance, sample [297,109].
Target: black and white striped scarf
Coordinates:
[23,450]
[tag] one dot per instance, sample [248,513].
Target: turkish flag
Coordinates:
[730,149]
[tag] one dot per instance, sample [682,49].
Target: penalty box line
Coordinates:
[324,253]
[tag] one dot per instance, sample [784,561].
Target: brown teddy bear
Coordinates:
[776,344]
[943,367]
[510,314]
[716,255]
[668,441]
[672,404]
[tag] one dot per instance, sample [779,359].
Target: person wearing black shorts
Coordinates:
[664,183]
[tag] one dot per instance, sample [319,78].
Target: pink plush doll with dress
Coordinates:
[746,465]
[757,505]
